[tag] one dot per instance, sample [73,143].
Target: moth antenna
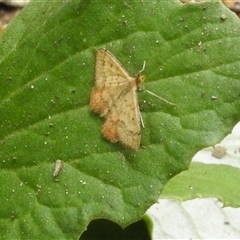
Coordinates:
[159,97]
[144,64]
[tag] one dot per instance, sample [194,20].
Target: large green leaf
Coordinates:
[46,76]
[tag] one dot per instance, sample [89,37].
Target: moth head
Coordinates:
[139,79]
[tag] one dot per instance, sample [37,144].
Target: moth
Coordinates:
[114,97]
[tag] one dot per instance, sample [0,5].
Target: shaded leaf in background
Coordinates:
[46,77]
[204,181]
[102,230]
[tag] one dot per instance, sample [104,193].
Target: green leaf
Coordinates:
[46,76]
[206,180]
